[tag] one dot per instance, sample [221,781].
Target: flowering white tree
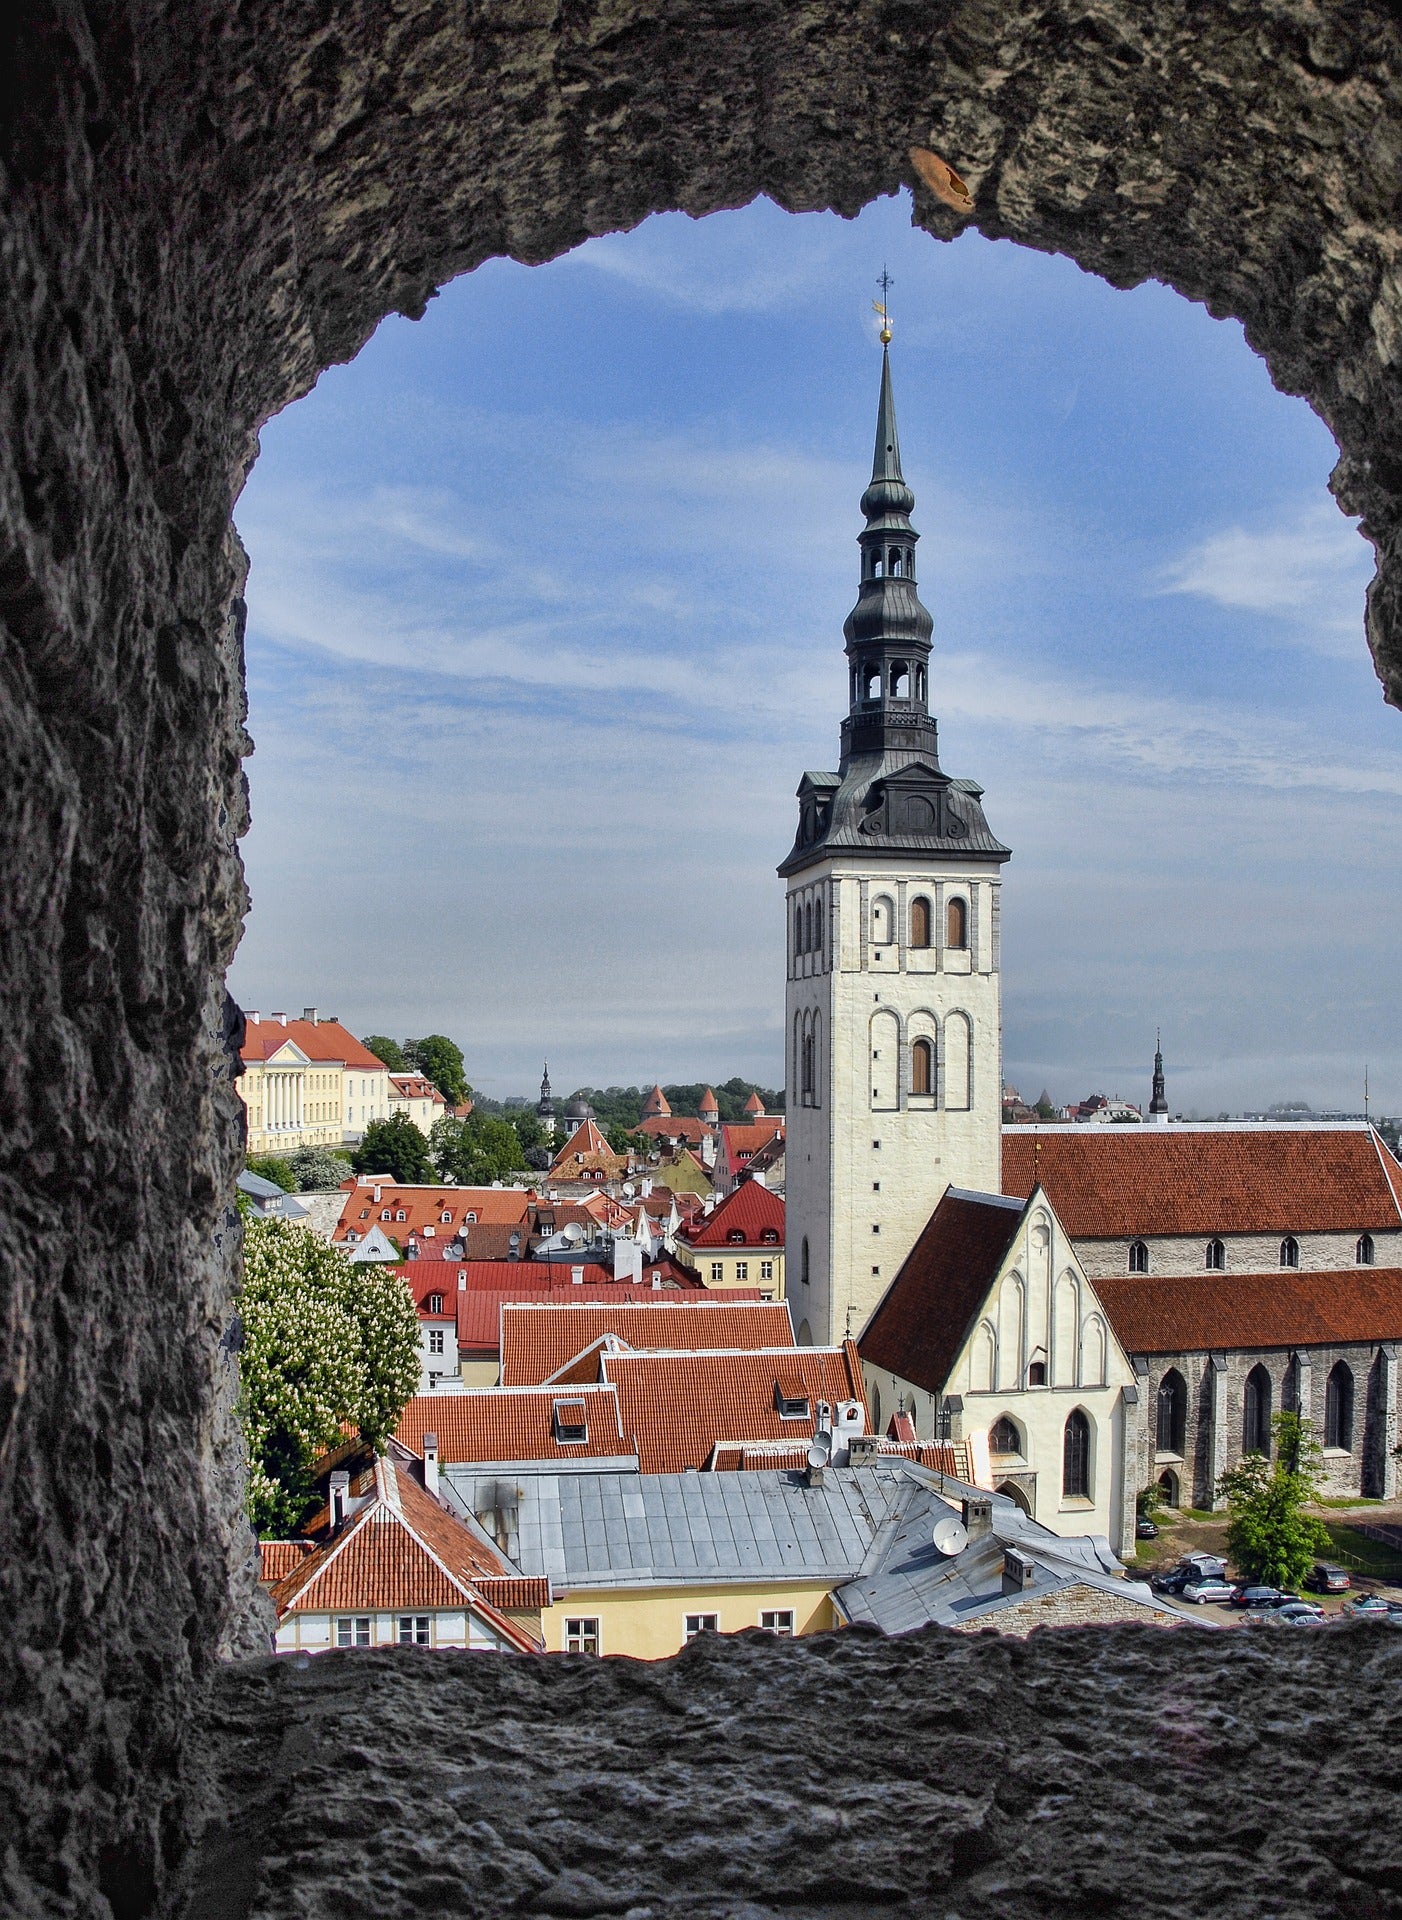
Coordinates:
[327,1346]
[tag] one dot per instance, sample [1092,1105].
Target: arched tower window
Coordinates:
[922,1067]
[817,926]
[1289,1251]
[1075,1457]
[881,929]
[871,683]
[1173,1412]
[803,1266]
[1004,1437]
[1363,1253]
[957,924]
[1256,1413]
[1338,1407]
[1138,1256]
[893,562]
[1216,1259]
[900,680]
[920,683]
[920,929]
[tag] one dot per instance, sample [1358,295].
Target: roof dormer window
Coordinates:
[791,1397]
[400,1214]
[445,1218]
[570,1421]
[435,1303]
[386,1213]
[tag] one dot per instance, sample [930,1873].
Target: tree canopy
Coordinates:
[272,1166]
[317,1168]
[440,1060]
[396,1147]
[1269,1535]
[328,1344]
[475,1151]
[387,1050]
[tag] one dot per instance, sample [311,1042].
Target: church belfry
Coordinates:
[893,1014]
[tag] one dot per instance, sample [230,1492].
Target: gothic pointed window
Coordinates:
[1138,1256]
[1289,1251]
[818,927]
[1172,1412]
[922,1067]
[1075,1457]
[1256,1413]
[1216,1259]
[1363,1252]
[957,924]
[1338,1408]
[1003,1436]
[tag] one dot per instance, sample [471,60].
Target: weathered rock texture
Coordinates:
[203,202]
[1249,1775]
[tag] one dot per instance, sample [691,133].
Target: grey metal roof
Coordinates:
[668,1529]
[969,836]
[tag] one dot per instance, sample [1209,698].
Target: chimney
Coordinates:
[340,1494]
[1018,1571]
[279,1016]
[252,1018]
[978,1518]
[431,1465]
[309,1014]
[377,1196]
[576,1276]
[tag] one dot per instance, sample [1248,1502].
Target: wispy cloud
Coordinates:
[1312,556]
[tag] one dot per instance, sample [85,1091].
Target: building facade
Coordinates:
[307,1083]
[893,1015]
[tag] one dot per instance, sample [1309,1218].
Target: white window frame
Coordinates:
[435,1340]
[766,1269]
[742,1269]
[582,1634]
[355,1630]
[717,1270]
[414,1630]
[697,1623]
[778,1620]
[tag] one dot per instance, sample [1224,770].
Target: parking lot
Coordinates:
[1186,1533]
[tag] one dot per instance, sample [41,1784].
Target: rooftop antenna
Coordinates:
[880,306]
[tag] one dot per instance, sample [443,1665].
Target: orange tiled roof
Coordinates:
[479,1312]
[423,1208]
[325,1041]
[655,1106]
[740,1142]
[751,1210]
[1213,1312]
[521,1593]
[1112,1183]
[412,1086]
[674,1126]
[279,1557]
[536,1341]
[585,1148]
[512,1423]
[754,1105]
[678,1406]
[941,1456]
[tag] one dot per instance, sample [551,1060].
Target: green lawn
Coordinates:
[1371,1556]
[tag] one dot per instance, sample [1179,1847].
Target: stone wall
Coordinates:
[1184,1256]
[203,206]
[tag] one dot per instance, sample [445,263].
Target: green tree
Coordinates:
[272,1166]
[327,1344]
[440,1060]
[623,1140]
[1269,1535]
[317,1168]
[396,1147]
[475,1151]
[387,1050]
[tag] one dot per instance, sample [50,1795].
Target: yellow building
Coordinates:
[741,1243]
[655,1622]
[308,1083]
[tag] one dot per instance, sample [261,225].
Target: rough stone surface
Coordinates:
[1248,1774]
[203,203]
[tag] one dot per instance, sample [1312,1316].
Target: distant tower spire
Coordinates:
[1158,1105]
[545,1107]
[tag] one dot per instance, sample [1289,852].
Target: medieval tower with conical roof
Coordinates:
[893,1006]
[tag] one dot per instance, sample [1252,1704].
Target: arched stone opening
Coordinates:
[205,207]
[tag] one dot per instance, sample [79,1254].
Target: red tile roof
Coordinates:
[412,1086]
[586,1150]
[770,1456]
[1213,1312]
[1113,1183]
[675,1126]
[325,1041]
[522,1593]
[479,1312]
[655,1106]
[503,1424]
[679,1406]
[754,1105]
[423,1208]
[925,1314]
[751,1210]
[279,1557]
[537,1340]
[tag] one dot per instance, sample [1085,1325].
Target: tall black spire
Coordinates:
[888,631]
[1158,1105]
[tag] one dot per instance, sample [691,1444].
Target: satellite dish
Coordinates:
[822,1441]
[950,1537]
[817,1456]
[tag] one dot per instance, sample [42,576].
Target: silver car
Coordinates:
[1209,1588]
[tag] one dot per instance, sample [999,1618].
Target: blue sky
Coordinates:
[545,621]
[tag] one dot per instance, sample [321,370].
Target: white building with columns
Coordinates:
[893,1013]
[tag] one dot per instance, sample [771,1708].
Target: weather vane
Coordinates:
[879,306]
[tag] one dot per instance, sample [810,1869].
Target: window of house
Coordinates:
[469,1216]
[742,1269]
[581,1634]
[701,1623]
[413,1629]
[736,1237]
[922,1067]
[1075,1457]
[777,1620]
[766,1269]
[1256,1413]
[1338,1408]
[1216,1256]
[435,1340]
[717,1270]
[1289,1251]
[571,1422]
[400,1214]
[957,924]
[791,1398]
[386,1214]
[1037,1373]
[1363,1252]
[353,1632]
[1138,1256]
[435,1303]
[445,1218]
[920,923]
[1003,1436]
[1172,1412]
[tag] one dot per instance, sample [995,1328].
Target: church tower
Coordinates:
[893,1025]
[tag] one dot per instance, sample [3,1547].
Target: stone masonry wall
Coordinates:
[201,206]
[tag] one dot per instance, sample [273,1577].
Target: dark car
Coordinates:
[1324,1577]
[1145,1530]
[1256,1597]
[1174,1580]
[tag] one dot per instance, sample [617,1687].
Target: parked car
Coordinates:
[1287,1613]
[1208,1587]
[1145,1529]
[1324,1577]
[1373,1606]
[1255,1598]
[1174,1580]
[1206,1563]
